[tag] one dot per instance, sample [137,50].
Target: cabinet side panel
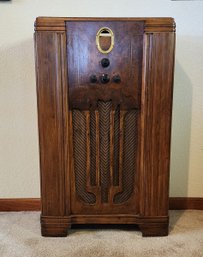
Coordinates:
[156,123]
[49,71]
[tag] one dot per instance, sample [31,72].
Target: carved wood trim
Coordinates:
[165,24]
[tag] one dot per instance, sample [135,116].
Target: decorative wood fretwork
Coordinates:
[104,154]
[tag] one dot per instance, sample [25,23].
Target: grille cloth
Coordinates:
[79,153]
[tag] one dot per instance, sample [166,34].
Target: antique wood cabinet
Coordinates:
[104,89]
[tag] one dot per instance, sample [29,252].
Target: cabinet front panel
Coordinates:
[104,78]
[94,75]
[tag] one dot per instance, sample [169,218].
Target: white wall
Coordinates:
[19,167]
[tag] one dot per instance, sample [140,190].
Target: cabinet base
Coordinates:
[54,231]
[52,226]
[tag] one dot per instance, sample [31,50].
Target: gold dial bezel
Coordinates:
[111,34]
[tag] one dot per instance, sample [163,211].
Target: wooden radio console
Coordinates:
[104,88]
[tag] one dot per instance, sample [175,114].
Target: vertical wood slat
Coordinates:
[59,114]
[71,162]
[122,116]
[119,188]
[89,187]
[87,118]
[98,180]
[65,102]
[112,115]
[145,68]
[98,183]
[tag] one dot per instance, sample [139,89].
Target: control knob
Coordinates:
[117,78]
[105,62]
[104,78]
[93,78]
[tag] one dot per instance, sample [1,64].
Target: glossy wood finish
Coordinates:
[149,207]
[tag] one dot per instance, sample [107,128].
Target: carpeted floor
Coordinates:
[20,237]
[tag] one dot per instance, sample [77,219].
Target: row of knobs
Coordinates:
[104,78]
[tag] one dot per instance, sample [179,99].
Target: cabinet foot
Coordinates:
[54,231]
[54,226]
[154,229]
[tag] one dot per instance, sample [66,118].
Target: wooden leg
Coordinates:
[54,230]
[54,226]
[154,229]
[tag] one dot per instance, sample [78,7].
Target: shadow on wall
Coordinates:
[18,111]
[181,133]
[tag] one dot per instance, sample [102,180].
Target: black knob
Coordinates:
[93,78]
[105,62]
[117,79]
[105,78]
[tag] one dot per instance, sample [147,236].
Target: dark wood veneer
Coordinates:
[126,58]
[86,131]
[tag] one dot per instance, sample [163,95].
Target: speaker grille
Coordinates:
[129,157]
[108,163]
[80,156]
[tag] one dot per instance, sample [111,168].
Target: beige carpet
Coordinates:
[20,237]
